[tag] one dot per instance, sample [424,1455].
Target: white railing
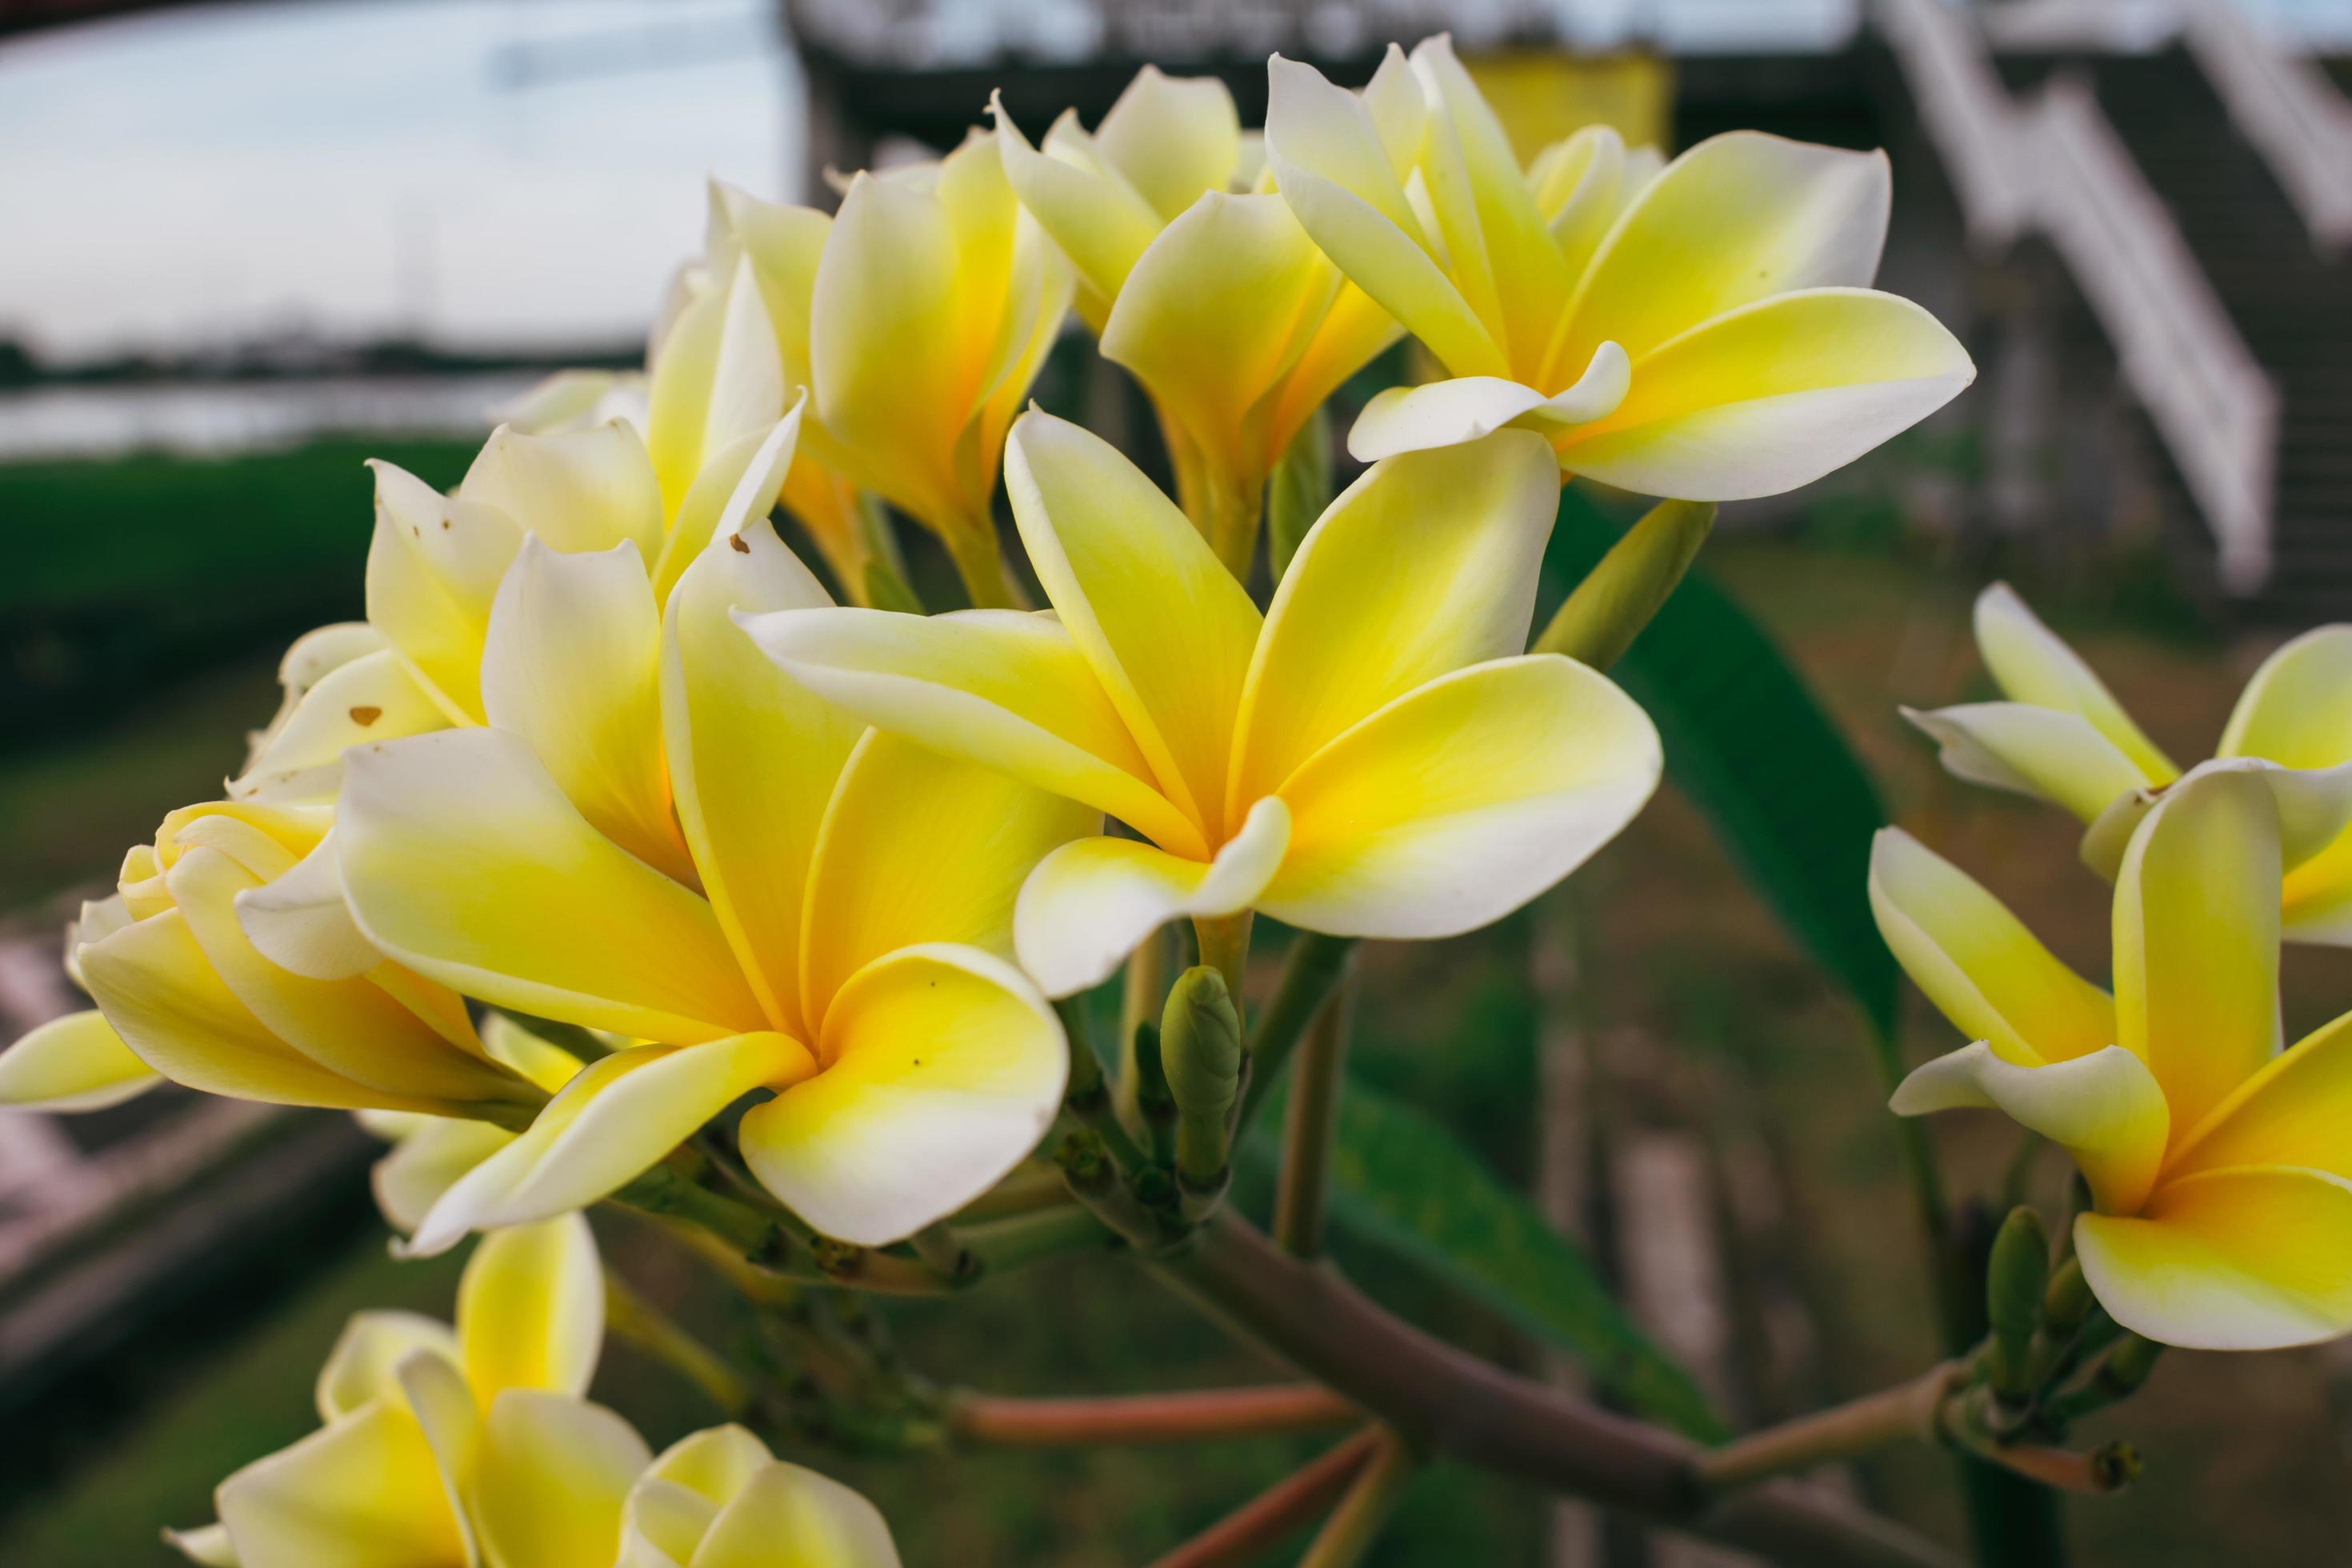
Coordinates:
[2054,165]
[2286,105]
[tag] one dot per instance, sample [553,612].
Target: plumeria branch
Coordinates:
[1310,1123]
[1370,1498]
[1274,1513]
[1192,1417]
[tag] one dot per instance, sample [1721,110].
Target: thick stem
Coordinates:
[1610,607]
[1309,973]
[1142,990]
[1224,947]
[1308,1128]
[1274,1513]
[1205,1415]
[1907,1411]
[1458,1406]
[1356,1524]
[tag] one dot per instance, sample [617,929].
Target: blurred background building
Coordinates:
[244,246]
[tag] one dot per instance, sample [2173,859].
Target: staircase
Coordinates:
[2293,307]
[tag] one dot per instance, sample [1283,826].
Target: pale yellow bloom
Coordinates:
[720,1500]
[2063,737]
[452,1450]
[1374,757]
[1215,297]
[830,927]
[1706,334]
[184,993]
[933,303]
[2219,1169]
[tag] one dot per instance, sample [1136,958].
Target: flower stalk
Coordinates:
[1191,1417]
[1311,1125]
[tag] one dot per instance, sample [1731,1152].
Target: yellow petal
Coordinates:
[1736,219]
[1462,799]
[1100,221]
[2196,939]
[1769,397]
[463,859]
[2103,1108]
[2032,664]
[919,847]
[1090,903]
[720,376]
[435,1390]
[2251,1257]
[1215,312]
[607,1128]
[372,698]
[736,489]
[1166,629]
[209,1546]
[530,1310]
[2297,709]
[1448,413]
[1439,551]
[74,1063]
[433,568]
[2041,751]
[1973,959]
[1352,332]
[1009,692]
[591,489]
[2292,1112]
[572,666]
[753,754]
[353,1027]
[1328,161]
[360,1368]
[554,1473]
[783,244]
[714,1463]
[170,1007]
[426,1163]
[1172,137]
[943,1067]
[1578,185]
[361,1492]
[299,922]
[2319,897]
[574,400]
[785,1514]
[670,1508]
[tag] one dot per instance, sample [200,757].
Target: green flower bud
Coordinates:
[2015,1278]
[1201,1054]
[2067,1302]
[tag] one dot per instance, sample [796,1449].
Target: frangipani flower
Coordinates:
[720,1500]
[1217,301]
[833,932]
[1707,335]
[934,301]
[1374,757]
[445,1449]
[2063,737]
[2219,1169]
[182,989]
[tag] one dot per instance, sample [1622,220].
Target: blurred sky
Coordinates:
[476,173]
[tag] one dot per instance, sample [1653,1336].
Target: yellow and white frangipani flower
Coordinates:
[1376,757]
[1216,300]
[720,1500]
[77,1062]
[2062,736]
[839,938]
[471,1448]
[1709,335]
[934,301]
[182,989]
[2219,1169]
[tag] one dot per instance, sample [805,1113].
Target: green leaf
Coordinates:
[1748,745]
[1401,1182]
[1300,490]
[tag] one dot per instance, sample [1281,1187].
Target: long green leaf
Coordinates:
[1402,1182]
[1748,745]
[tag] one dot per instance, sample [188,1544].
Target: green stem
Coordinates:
[1224,947]
[1087,1097]
[979,561]
[1142,989]
[1611,606]
[1365,1507]
[1909,1411]
[1460,1407]
[629,1317]
[1310,1126]
[1002,1245]
[1309,974]
[1193,1416]
[766,1244]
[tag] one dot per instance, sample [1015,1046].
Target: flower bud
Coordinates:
[2068,1300]
[1200,1053]
[2015,1277]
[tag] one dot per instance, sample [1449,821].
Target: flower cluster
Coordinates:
[622,853]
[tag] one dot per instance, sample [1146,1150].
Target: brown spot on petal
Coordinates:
[737,541]
[363,716]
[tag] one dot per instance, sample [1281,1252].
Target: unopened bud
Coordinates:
[2129,1365]
[2067,1301]
[1201,1054]
[2015,1277]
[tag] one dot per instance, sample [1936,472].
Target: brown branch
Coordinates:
[1189,1418]
[1451,1403]
[1276,1511]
